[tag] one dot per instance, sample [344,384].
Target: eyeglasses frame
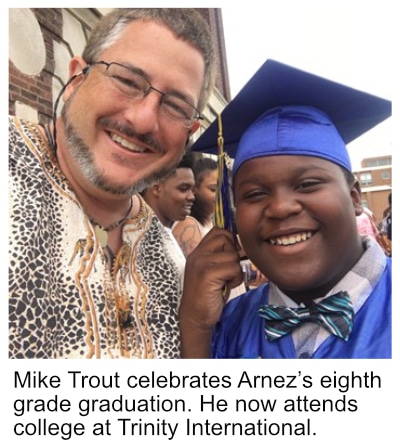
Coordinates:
[197,117]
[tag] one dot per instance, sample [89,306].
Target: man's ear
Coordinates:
[355,193]
[156,189]
[194,128]
[76,69]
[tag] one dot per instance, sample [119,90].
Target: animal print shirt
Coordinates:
[64,301]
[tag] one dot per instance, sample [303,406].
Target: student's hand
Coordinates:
[258,279]
[212,269]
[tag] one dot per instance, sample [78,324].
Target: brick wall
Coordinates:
[36,91]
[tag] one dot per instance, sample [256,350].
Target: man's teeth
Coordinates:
[127,144]
[287,240]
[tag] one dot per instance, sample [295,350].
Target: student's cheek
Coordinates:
[247,220]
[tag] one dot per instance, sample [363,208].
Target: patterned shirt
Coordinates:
[64,300]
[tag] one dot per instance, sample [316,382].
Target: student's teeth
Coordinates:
[290,239]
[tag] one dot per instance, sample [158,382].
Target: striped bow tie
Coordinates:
[334,313]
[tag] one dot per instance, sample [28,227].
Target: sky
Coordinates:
[336,40]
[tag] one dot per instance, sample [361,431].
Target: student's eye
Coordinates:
[309,185]
[254,195]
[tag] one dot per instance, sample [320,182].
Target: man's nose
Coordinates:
[144,113]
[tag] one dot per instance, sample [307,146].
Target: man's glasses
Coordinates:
[135,86]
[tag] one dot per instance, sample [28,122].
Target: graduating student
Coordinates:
[329,289]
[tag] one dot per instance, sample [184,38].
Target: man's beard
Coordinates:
[84,157]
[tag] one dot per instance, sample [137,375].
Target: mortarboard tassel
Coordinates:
[224,217]
[224,211]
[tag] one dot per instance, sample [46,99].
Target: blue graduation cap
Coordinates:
[286,111]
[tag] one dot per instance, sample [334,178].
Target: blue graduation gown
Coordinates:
[240,332]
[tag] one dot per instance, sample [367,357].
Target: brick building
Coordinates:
[375,177]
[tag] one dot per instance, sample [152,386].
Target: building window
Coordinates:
[366,179]
[385,175]
[377,161]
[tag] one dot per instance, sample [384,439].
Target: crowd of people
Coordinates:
[381,232]
[114,251]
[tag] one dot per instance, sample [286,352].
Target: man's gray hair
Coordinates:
[187,24]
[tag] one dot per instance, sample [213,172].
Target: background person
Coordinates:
[172,197]
[92,273]
[386,226]
[190,231]
[366,223]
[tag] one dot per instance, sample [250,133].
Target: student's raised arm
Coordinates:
[211,270]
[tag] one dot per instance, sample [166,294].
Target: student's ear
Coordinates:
[355,192]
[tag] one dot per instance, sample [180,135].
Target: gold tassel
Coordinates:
[219,209]
[223,199]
